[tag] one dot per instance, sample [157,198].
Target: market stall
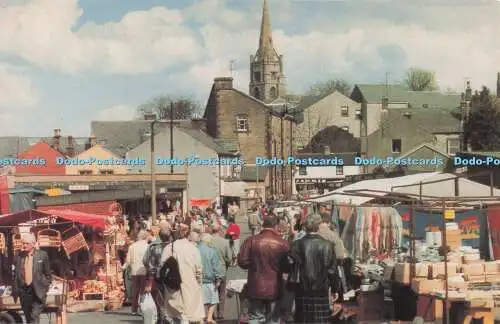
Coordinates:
[79,246]
[438,270]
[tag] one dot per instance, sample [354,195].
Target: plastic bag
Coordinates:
[148,309]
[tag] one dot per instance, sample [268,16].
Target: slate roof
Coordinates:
[438,120]
[121,136]
[12,146]
[307,101]
[373,93]
[79,143]
[249,173]
[204,138]
[230,145]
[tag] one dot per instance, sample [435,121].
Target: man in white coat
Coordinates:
[135,256]
[186,305]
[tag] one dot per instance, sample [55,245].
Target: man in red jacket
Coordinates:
[265,257]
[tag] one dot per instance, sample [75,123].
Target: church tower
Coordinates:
[267,80]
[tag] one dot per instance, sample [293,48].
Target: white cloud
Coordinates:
[143,41]
[16,89]
[455,40]
[117,112]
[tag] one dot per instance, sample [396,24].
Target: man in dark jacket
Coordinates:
[152,262]
[32,279]
[314,274]
[264,256]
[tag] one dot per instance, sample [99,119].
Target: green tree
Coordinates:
[482,127]
[183,108]
[418,79]
[326,87]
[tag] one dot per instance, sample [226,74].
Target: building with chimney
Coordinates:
[259,124]
[38,152]
[267,78]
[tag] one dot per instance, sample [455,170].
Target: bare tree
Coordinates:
[327,87]
[183,108]
[418,79]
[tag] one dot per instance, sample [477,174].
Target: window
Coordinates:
[344,111]
[106,172]
[273,93]
[274,75]
[242,123]
[346,128]
[302,170]
[85,172]
[256,76]
[396,146]
[453,146]
[339,170]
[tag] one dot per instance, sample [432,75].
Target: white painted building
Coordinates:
[320,179]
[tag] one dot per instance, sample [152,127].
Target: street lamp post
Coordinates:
[153,173]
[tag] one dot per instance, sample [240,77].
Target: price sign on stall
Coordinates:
[449,214]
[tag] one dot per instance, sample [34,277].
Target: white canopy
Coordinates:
[412,182]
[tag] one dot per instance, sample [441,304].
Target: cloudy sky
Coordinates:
[64,63]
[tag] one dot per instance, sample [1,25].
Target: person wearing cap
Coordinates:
[313,274]
[264,256]
[32,278]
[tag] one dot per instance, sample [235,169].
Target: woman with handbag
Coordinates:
[184,300]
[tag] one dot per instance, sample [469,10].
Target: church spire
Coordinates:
[266,35]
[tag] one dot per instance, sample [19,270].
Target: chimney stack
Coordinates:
[223,83]
[93,140]
[70,148]
[56,139]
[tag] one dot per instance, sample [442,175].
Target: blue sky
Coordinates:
[64,63]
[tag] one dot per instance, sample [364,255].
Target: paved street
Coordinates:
[123,316]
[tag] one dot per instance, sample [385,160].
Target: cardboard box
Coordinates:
[424,286]
[473,269]
[477,278]
[437,270]
[458,285]
[492,267]
[493,278]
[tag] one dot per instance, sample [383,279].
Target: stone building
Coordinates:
[250,122]
[257,129]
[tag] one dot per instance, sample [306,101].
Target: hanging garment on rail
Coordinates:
[376,217]
[372,231]
[349,235]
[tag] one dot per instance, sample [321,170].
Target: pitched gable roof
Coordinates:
[434,120]
[204,138]
[45,144]
[120,137]
[421,146]
[373,93]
